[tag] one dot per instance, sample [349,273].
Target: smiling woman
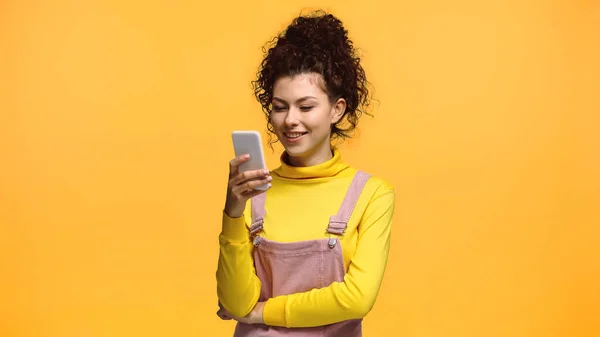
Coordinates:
[302,117]
[307,256]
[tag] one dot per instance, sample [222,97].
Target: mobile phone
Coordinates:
[249,142]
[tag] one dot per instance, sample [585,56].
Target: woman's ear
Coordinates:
[337,110]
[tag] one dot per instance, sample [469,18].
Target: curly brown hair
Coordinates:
[316,43]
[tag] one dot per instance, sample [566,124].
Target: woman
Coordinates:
[306,257]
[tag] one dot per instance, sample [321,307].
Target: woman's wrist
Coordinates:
[234,211]
[257,313]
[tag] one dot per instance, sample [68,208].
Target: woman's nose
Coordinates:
[291,117]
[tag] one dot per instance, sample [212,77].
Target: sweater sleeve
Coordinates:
[238,287]
[355,296]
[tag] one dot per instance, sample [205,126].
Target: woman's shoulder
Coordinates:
[376,185]
[377,197]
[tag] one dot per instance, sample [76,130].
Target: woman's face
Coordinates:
[302,116]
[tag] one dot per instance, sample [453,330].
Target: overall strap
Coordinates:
[258,213]
[338,222]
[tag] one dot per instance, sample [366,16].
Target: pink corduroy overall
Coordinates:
[293,267]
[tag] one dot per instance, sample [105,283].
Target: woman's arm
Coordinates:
[355,296]
[238,287]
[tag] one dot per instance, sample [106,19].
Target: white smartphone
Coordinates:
[249,142]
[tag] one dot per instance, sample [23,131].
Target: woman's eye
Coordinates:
[306,108]
[278,108]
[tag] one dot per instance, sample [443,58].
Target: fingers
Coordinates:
[223,315]
[239,185]
[250,185]
[236,162]
[249,175]
[242,186]
[253,193]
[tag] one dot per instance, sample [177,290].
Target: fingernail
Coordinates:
[266,171]
[246,156]
[269,178]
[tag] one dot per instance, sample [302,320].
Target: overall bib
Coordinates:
[293,267]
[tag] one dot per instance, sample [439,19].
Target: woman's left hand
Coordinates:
[254,317]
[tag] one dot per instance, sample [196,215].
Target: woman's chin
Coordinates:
[294,152]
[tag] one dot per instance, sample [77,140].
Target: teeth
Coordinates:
[294,134]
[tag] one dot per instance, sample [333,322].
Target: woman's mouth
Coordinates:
[293,136]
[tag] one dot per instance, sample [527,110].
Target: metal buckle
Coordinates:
[332,242]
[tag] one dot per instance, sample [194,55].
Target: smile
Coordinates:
[294,135]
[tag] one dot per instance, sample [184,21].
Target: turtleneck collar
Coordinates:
[330,168]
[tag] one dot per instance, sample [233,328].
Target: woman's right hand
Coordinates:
[241,186]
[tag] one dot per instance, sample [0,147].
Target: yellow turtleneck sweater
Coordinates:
[299,205]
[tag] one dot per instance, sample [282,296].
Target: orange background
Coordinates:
[115,121]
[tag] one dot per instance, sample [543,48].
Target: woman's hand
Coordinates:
[224,314]
[241,186]
[254,317]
